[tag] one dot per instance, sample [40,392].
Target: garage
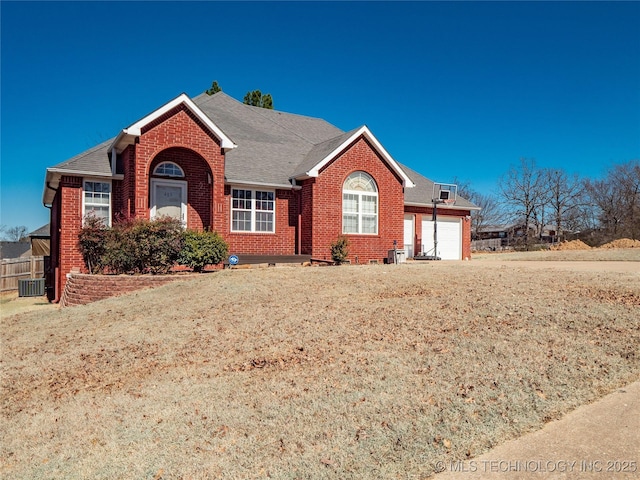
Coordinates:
[449,238]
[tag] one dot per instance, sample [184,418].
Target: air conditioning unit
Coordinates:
[32,287]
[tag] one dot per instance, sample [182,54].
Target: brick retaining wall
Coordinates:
[81,289]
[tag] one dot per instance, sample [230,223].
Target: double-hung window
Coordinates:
[360,204]
[97,200]
[252,210]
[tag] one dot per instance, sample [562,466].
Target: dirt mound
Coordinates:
[572,245]
[622,243]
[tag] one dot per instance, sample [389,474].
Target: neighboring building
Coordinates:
[491,237]
[269,182]
[14,250]
[41,241]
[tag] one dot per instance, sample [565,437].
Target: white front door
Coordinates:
[449,238]
[409,235]
[169,198]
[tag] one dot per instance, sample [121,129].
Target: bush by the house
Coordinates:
[340,250]
[143,246]
[92,242]
[132,246]
[202,249]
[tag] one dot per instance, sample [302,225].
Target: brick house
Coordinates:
[269,182]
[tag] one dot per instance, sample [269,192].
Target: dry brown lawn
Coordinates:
[11,304]
[335,372]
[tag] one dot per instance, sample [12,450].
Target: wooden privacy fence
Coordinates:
[14,269]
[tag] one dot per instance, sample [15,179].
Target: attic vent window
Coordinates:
[169,169]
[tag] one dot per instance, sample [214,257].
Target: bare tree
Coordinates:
[490,212]
[523,190]
[16,234]
[563,198]
[616,199]
[627,177]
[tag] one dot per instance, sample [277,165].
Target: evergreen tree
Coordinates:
[215,88]
[257,99]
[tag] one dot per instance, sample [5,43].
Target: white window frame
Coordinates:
[86,206]
[359,194]
[253,210]
[174,166]
[170,183]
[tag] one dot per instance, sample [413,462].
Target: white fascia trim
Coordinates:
[406,181]
[128,135]
[245,183]
[84,173]
[54,174]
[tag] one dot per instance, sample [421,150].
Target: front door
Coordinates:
[168,198]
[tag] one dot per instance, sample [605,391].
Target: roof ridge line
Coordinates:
[287,128]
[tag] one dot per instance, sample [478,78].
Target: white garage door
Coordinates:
[449,238]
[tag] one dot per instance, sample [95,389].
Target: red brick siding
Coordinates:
[70,223]
[125,206]
[327,205]
[180,132]
[282,242]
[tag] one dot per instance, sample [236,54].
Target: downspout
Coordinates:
[299,245]
[56,282]
[114,158]
[298,192]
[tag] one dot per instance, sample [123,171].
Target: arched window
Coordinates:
[360,204]
[169,169]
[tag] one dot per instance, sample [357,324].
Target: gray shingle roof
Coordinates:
[43,231]
[271,144]
[272,147]
[319,151]
[14,249]
[422,193]
[95,160]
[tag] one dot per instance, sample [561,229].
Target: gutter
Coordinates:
[442,206]
[281,186]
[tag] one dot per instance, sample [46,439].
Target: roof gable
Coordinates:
[325,152]
[128,135]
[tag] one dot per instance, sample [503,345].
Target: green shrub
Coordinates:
[92,241]
[340,249]
[202,249]
[143,246]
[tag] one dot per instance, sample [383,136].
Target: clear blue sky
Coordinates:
[450,89]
